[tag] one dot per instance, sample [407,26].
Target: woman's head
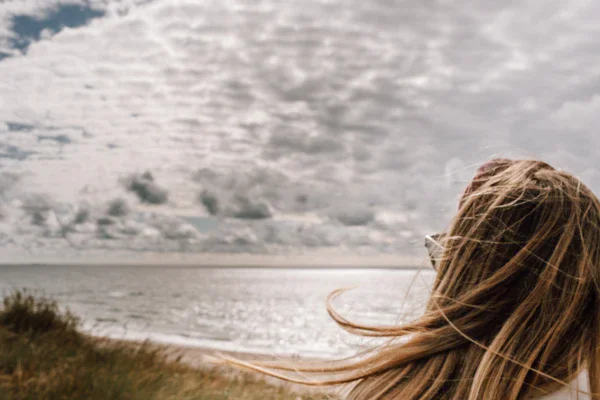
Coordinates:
[522,258]
[522,222]
[514,310]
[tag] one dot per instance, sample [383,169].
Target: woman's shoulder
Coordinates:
[582,382]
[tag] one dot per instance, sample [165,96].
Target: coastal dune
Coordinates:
[45,356]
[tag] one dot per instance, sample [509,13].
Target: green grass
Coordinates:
[44,356]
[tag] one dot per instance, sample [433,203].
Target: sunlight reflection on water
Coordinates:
[262,310]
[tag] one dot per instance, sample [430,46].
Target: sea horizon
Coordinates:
[227,260]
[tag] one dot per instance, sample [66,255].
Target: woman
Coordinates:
[514,311]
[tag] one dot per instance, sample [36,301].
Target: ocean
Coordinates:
[262,310]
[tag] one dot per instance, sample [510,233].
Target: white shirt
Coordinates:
[582,382]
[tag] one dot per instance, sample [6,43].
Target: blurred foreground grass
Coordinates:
[44,356]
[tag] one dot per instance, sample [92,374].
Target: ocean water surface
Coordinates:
[264,310]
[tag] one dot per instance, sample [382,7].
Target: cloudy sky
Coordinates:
[277,127]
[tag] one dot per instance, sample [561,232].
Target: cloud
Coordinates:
[238,206]
[8,180]
[279,115]
[19,127]
[244,208]
[38,207]
[258,190]
[82,228]
[15,153]
[354,216]
[210,201]
[104,221]
[81,216]
[235,238]
[244,194]
[118,229]
[117,208]
[283,142]
[146,189]
[60,139]
[173,228]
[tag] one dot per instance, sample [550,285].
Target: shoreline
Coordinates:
[196,355]
[199,358]
[191,346]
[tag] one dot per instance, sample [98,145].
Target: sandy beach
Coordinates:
[202,358]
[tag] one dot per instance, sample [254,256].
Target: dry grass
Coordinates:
[44,356]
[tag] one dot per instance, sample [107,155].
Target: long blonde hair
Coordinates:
[514,311]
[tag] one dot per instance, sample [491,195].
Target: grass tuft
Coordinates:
[26,314]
